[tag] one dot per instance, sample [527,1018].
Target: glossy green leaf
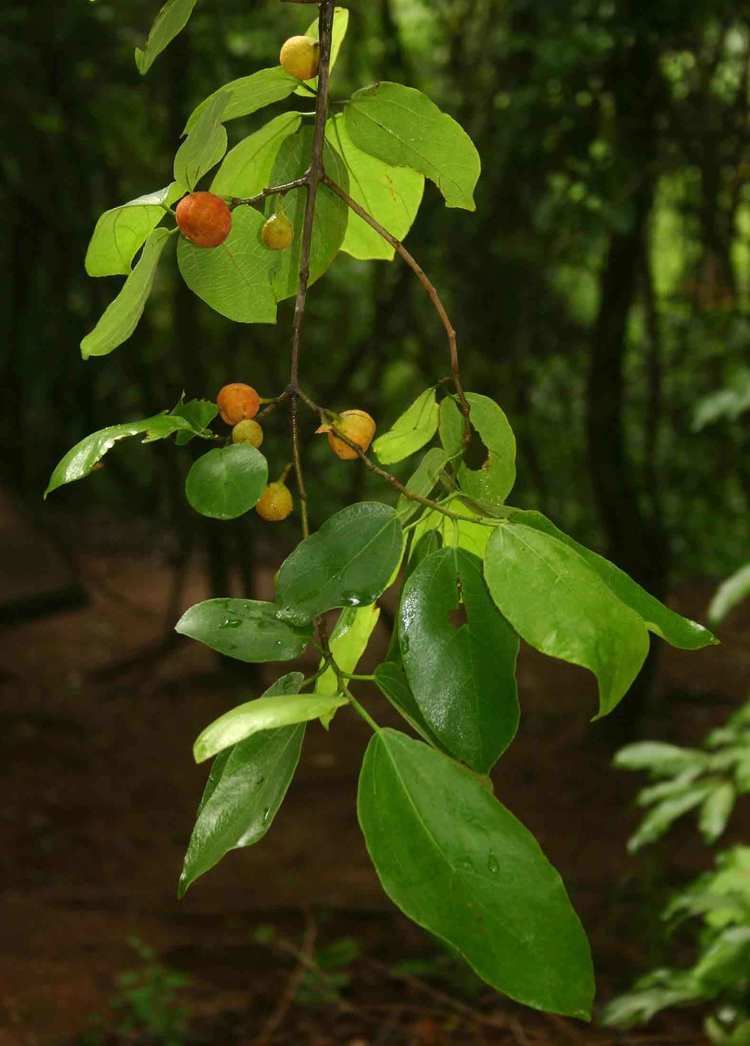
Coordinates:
[244,791]
[675,629]
[200,414]
[205,144]
[560,606]
[493,482]
[123,315]
[391,680]
[340,26]
[227,482]
[730,594]
[422,482]
[121,232]
[235,277]
[331,213]
[463,533]
[249,94]
[402,127]
[245,629]
[416,426]
[169,23]
[459,656]
[265,713]
[461,866]
[347,643]
[348,562]
[392,195]
[246,169]
[81,459]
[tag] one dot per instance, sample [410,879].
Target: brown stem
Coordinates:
[429,287]
[311,180]
[272,190]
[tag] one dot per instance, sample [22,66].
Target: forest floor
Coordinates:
[99,792]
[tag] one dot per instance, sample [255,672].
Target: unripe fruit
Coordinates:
[236,402]
[247,431]
[300,57]
[357,426]
[277,233]
[276,503]
[204,219]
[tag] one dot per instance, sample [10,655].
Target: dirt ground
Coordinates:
[99,793]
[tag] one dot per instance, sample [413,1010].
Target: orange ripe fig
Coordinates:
[247,431]
[300,57]
[204,219]
[357,426]
[276,503]
[277,233]
[236,402]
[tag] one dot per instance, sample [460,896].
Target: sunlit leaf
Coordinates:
[416,426]
[170,21]
[121,232]
[246,169]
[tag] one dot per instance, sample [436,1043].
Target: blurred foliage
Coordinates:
[601,287]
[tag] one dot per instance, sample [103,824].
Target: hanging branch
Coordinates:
[311,180]
[429,287]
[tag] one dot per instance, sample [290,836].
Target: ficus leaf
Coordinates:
[265,713]
[235,277]
[81,459]
[244,791]
[460,865]
[473,710]
[404,128]
[560,606]
[348,562]
[416,427]
[169,23]
[121,232]
[246,169]
[227,482]
[205,144]
[245,629]
[123,315]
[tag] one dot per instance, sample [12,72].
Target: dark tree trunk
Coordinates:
[636,539]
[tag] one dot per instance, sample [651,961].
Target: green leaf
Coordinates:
[462,533]
[493,482]
[729,595]
[244,629]
[660,759]
[200,414]
[340,25]
[121,232]
[422,482]
[246,169]
[662,816]
[249,94]
[331,213]
[85,455]
[265,713]
[348,643]
[402,127]
[169,23]
[392,195]
[122,316]
[715,812]
[416,426]
[348,562]
[474,709]
[560,606]
[677,630]
[227,482]
[205,144]
[461,866]
[244,791]
[391,680]
[235,277]
[726,962]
